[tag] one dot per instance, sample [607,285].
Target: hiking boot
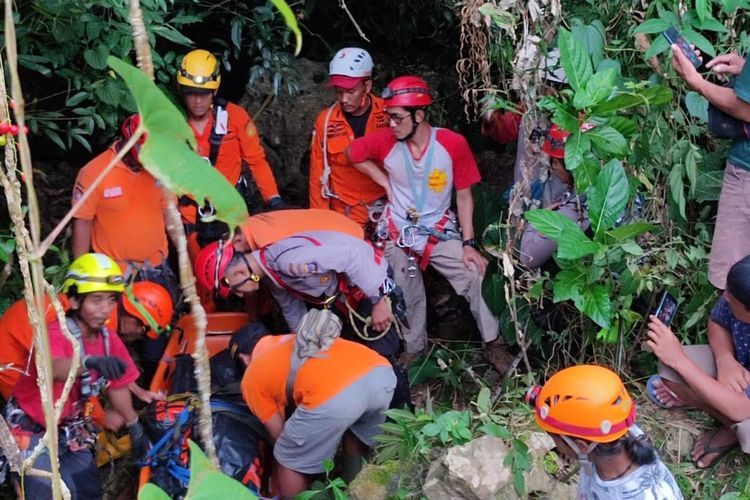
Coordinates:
[499,356]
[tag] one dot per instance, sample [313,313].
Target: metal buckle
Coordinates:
[206,211]
[407,237]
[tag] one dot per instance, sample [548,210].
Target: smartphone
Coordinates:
[666,309]
[675,38]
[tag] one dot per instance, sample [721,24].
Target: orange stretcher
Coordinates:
[220,327]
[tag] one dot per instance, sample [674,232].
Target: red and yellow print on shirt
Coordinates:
[437,180]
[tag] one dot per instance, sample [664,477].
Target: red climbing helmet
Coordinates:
[407,92]
[554,145]
[210,265]
[128,128]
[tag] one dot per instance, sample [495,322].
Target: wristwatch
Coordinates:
[471,242]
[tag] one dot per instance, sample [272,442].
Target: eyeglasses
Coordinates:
[397,119]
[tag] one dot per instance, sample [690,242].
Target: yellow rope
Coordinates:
[364,333]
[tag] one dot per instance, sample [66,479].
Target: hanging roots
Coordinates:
[473,67]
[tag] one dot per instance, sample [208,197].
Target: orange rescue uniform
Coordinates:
[263,229]
[17,337]
[354,189]
[240,143]
[317,381]
[126,209]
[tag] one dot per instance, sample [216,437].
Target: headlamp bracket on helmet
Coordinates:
[389,94]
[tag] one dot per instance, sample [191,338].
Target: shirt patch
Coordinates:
[250,130]
[302,268]
[113,192]
[324,278]
[437,181]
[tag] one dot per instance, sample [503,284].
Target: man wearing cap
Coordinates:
[421,166]
[226,137]
[334,183]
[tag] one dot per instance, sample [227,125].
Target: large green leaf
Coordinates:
[630,231]
[608,197]
[168,151]
[493,291]
[150,491]
[651,26]
[598,88]
[607,141]
[291,22]
[576,147]
[627,127]
[699,41]
[697,106]
[597,304]
[591,37]
[571,242]
[650,96]
[587,171]
[569,285]
[207,483]
[575,60]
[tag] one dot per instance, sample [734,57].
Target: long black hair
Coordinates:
[639,448]
[738,281]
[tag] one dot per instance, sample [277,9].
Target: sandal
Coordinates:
[651,393]
[719,451]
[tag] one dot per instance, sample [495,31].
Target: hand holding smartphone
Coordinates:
[675,38]
[666,309]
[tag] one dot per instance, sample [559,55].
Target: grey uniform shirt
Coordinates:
[309,263]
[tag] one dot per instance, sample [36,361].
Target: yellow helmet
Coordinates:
[199,69]
[94,272]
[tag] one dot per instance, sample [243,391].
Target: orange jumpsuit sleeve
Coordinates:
[252,152]
[316,163]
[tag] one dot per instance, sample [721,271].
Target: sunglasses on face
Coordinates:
[397,119]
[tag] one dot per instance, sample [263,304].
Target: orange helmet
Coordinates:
[150,303]
[586,401]
[554,145]
[407,92]
[210,265]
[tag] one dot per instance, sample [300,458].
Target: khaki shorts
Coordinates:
[311,436]
[703,356]
[731,240]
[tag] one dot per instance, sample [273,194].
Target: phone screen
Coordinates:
[666,309]
[674,37]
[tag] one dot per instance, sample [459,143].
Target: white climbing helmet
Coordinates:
[349,66]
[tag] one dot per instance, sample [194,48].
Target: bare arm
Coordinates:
[735,406]
[81,236]
[723,98]
[274,426]
[122,402]
[729,371]
[373,170]
[465,205]
[61,368]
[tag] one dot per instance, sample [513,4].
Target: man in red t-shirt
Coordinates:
[421,165]
[93,285]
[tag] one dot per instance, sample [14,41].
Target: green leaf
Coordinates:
[632,248]
[697,106]
[699,41]
[291,22]
[597,305]
[572,243]
[169,33]
[651,26]
[608,140]
[650,96]
[627,127]
[591,37]
[598,88]
[608,197]
[630,231]
[658,45]
[431,430]
[6,248]
[493,291]
[587,171]
[168,153]
[97,58]
[483,399]
[575,61]
[703,9]
[150,491]
[568,285]
[206,482]
[496,430]
[677,188]
[576,147]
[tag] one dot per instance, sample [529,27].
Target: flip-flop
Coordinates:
[720,451]
[651,393]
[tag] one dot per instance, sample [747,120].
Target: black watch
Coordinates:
[471,242]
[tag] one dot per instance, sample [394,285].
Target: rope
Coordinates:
[363,334]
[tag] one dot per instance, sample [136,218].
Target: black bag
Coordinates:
[725,126]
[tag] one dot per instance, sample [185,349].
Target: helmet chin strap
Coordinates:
[583,454]
[414,125]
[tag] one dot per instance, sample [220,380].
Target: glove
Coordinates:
[277,203]
[139,443]
[109,367]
